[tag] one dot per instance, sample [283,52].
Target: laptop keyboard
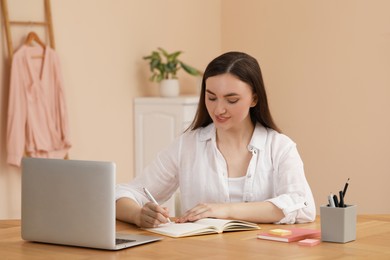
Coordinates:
[119,241]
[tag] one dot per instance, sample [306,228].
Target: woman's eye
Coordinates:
[212,98]
[232,101]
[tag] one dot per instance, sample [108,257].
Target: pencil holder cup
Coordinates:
[338,224]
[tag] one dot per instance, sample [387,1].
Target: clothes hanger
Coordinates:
[32,36]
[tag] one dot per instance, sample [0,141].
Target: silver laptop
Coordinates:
[72,202]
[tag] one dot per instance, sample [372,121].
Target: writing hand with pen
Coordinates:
[152,214]
[334,201]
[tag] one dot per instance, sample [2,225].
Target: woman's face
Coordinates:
[228,101]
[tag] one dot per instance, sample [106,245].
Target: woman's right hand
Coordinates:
[152,215]
[148,216]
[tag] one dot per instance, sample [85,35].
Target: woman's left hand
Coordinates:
[205,210]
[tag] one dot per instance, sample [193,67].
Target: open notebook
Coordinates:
[202,227]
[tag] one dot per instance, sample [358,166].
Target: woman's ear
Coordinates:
[254,101]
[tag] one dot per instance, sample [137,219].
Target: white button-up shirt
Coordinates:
[194,164]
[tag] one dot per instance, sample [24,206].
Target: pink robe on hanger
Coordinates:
[37,116]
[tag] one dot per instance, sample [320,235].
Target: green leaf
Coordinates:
[154,64]
[164,52]
[173,56]
[190,70]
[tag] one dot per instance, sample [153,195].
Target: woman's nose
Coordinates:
[220,109]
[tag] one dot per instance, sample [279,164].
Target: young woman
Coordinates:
[231,163]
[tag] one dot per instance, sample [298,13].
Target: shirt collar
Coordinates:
[259,138]
[257,142]
[207,133]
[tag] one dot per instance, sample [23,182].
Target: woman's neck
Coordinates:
[236,137]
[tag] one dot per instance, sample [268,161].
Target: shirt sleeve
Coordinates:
[292,191]
[17,113]
[60,107]
[160,178]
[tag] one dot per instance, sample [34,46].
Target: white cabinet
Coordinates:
[157,122]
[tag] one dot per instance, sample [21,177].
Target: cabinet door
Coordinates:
[156,128]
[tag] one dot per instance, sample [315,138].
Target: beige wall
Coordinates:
[101,44]
[325,63]
[326,66]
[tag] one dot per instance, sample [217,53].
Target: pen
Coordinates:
[336,201]
[345,187]
[152,199]
[331,202]
[341,204]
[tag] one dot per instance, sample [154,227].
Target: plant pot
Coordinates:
[169,88]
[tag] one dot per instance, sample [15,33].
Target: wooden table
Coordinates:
[372,242]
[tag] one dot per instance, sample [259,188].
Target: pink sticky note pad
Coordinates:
[309,242]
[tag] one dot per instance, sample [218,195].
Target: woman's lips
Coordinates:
[221,119]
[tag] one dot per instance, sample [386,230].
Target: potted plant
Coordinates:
[164,67]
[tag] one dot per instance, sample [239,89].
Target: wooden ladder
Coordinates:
[47,22]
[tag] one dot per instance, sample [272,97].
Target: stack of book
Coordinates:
[290,235]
